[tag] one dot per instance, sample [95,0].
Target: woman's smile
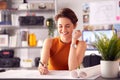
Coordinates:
[65,33]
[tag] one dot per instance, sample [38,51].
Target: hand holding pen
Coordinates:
[43,68]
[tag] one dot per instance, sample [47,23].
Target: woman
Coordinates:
[64,52]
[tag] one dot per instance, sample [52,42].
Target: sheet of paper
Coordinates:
[103,12]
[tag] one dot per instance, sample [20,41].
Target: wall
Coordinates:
[76,5]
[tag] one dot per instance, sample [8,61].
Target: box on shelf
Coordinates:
[3,40]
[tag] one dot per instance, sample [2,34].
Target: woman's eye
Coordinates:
[60,26]
[67,26]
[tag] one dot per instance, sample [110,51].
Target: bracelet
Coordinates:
[74,45]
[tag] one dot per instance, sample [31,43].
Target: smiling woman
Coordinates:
[64,52]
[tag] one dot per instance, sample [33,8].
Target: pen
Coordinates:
[44,65]
[41,63]
[2,70]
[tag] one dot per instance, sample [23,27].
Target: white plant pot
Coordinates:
[109,69]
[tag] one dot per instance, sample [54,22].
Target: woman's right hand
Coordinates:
[76,34]
[43,69]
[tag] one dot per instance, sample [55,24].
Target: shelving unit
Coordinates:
[40,31]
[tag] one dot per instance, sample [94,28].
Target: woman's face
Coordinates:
[65,27]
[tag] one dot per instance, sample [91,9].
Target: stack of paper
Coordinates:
[86,73]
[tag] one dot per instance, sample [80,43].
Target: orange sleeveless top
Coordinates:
[59,53]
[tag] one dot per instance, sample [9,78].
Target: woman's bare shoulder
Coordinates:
[48,41]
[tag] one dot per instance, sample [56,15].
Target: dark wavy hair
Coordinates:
[68,13]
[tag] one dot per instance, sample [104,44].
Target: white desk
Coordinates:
[34,74]
[27,74]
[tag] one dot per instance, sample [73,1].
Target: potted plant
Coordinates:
[109,48]
[51,26]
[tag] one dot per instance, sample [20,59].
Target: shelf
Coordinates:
[19,68]
[8,26]
[18,32]
[34,27]
[22,27]
[20,47]
[40,10]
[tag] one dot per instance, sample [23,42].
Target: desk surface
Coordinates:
[53,74]
[34,74]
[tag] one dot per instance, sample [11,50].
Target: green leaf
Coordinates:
[108,48]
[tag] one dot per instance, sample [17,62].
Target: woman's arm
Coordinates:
[45,54]
[76,54]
